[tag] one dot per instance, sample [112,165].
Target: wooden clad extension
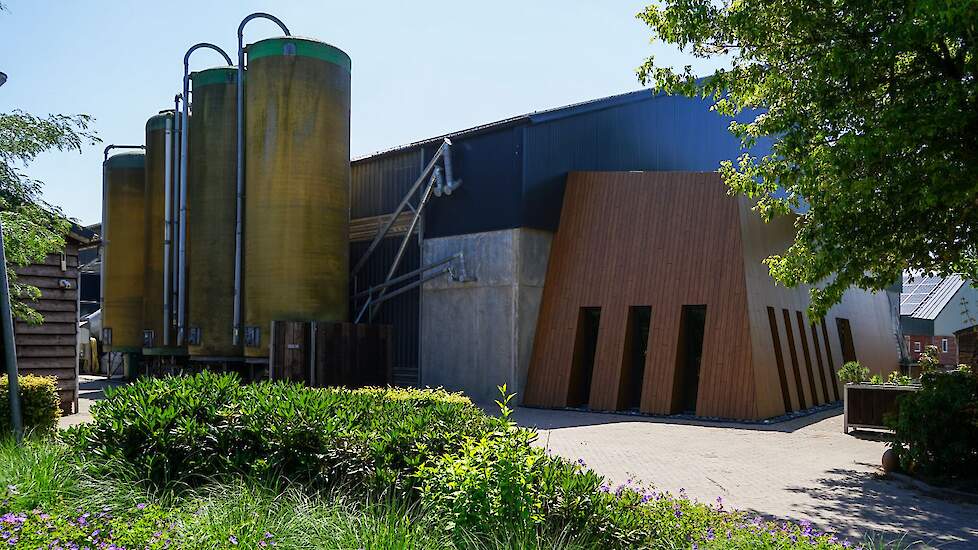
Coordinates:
[642,239]
[678,245]
[50,349]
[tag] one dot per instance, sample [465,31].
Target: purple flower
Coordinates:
[141,506]
[233,540]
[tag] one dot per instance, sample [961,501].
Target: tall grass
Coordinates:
[47,476]
[37,474]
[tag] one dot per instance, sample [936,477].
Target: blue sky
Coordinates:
[420,68]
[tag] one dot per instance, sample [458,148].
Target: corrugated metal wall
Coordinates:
[379,183]
[402,311]
[513,175]
[490,166]
[653,133]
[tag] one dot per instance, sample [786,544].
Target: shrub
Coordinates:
[899,379]
[193,428]
[929,360]
[39,403]
[853,373]
[937,427]
[490,482]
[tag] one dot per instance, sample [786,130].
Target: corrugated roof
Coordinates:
[925,297]
[535,116]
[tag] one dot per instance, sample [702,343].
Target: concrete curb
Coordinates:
[932,491]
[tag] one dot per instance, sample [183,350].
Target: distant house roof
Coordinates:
[81,234]
[925,297]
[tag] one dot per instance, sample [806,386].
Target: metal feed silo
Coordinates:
[297,180]
[155,215]
[123,230]
[211,213]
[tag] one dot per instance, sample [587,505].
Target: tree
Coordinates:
[872,109]
[32,228]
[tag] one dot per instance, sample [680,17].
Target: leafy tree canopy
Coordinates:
[32,229]
[872,106]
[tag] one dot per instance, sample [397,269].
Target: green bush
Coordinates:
[936,429]
[459,477]
[930,359]
[39,403]
[853,373]
[193,428]
[899,379]
[490,482]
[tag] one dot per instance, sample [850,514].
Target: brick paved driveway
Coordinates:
[801,469]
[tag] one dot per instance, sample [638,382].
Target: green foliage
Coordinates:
[872,109]
[32,228]
[876,379]
[36,529]
[896,378]
[853,373]
[490,482]
[39,403]
[36,474]
[930,359]
[936,430]
[191,429]
[462,479]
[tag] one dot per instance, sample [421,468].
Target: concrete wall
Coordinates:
[478,334]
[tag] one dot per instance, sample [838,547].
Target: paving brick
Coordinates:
[799,469]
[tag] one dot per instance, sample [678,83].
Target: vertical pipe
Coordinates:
[175,216]
[182,273]
[239,198]
[183,120]
[239,195]
[167,227]
[9,349]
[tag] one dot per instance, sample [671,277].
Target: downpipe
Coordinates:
[184,130]
[240,176]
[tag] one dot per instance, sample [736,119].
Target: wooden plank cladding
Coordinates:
[50,348]
[656,298]
[642,239]
[324,354]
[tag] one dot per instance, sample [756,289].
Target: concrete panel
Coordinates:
[478,334]
[468,340]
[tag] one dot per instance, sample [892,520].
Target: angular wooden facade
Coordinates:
[674,249]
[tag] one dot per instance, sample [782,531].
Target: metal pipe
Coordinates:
[397,211]
[406,288]
[407,237]
[185,125]
[174,260]
[167,227]
[399,278]
[111,147]
[239,198]
[9,349]
[451,183]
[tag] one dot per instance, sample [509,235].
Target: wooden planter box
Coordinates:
[866,405]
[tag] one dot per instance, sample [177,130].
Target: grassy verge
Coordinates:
[204,462]
[48,499]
